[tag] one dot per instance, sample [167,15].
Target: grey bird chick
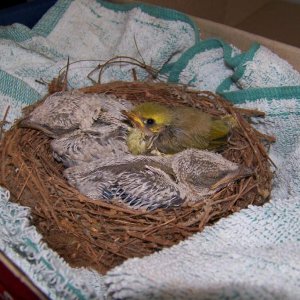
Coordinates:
[64,112]
[151,182]
[141,182]
[105,141]
[202,172]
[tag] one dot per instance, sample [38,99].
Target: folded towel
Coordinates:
[22,244]
[249,255]
[252,254]
[87,30]
[203,65]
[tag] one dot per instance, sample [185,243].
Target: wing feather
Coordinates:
[138,182]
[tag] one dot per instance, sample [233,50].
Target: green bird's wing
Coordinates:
[188,129]
[173,140]
[218,134]
[193,130]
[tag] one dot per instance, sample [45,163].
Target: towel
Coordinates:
[252,254]
[88,33]
[22,244]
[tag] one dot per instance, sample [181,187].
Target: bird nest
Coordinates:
[101,235]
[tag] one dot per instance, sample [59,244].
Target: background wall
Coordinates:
[277,20]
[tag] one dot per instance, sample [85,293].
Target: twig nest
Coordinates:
[101,234]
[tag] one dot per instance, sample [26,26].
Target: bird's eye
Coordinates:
[149,121]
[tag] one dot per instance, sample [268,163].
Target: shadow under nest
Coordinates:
[99,235]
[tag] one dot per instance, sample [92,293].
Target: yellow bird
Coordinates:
[158,127]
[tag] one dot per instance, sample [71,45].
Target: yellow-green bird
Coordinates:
[158,127]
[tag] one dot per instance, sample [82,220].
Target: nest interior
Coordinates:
[100,235]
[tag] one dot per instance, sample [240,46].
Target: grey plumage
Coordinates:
[89,134]
[77,147]
[202,172]
[142,182]
[84,127]
[64,112]
[151,182]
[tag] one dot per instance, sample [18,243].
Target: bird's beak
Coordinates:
[242,172]
[27,123]
[136,121]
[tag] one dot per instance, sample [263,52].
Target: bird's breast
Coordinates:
[136,142]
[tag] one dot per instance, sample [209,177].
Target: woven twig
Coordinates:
[97,234]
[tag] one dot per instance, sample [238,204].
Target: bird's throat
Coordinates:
[137,142]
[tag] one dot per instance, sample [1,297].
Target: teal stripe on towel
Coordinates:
[17,89]
[238,62]
[48,22]
[155,11]
[51,18]
[248,56]
[242,96]
[203,46]
[185,58]
[16,33]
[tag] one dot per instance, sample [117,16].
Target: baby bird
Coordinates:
[64,112]
[78,147]
[170,130]
[84,127]
[151,182]
[93,140]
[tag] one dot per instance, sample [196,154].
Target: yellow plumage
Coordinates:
[173,129]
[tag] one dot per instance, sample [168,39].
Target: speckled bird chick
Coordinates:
[64,112]
[77,147]
[151,182]
[90,137]
[84,127]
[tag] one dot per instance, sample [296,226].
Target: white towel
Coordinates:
[252,254]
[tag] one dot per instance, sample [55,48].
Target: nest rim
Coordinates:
[127,229]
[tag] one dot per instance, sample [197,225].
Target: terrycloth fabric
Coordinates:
[22,244]
[87,30]
[252,254]
[203,66]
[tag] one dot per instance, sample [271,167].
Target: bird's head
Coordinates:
[150,117]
